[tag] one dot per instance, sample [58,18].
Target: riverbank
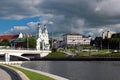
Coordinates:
[78,70]
[4,75]
[79,59]
[14,74]
[32,74]
[55,77]
[102,55]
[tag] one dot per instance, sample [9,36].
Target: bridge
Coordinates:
[42,46]
[19,53]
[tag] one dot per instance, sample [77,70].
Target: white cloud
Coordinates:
[17,29]
[108,7]
[65,16]
[51,22]
[100,30]
[20,28]
[97,9]
[16,9]
[80,22]
[31,24]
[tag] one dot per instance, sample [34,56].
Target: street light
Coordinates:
[108,46]
[84,42]
[101,44]
[74,42]
[119,46]
[52,39]
[27,43]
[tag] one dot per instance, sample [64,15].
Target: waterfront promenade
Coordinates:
[4,75]
[55,77]
[9,73]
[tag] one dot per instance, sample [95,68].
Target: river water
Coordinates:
[79,70]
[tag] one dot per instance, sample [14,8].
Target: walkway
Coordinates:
[4,75]
[44,73]
[68,53]
[2,51]
[7,74]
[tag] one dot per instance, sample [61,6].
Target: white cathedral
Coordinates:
[42,42]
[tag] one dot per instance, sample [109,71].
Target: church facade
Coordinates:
[42,42]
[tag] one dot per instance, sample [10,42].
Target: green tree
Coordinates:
[98,41]
[114,43]
[50,41]
[117,35]
[4,43]
[31,41]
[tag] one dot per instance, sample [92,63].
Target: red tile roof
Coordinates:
[8,37]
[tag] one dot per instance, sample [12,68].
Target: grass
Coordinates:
[82,54]
[93,54]
[32,75]
[56,55]
[100,53]
[108,55]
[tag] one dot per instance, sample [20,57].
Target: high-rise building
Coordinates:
[107,34]
[103,35]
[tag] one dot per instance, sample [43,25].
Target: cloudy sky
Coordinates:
[89,17]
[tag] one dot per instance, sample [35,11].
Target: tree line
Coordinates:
[29,42]
[111,43]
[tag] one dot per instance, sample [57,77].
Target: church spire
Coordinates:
[38,30]
[45,29]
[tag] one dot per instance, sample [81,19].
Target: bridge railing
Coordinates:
[19,48]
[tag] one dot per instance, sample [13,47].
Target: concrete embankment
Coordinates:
[44,73]
[12,73]
[23,76]
[4,75]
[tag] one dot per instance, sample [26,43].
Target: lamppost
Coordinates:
[27,43]
[73,42]
[101,44]
[84,42]
[108,46]
[79,46]
[119,46]
[52,39]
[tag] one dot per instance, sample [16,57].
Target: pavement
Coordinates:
[68,53]
[7,73]
[4,75]
[44,73]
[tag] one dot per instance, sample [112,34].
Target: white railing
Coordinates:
[11,62]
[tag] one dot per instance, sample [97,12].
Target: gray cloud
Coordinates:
[65,16]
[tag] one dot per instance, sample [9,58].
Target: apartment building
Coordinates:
[76,39]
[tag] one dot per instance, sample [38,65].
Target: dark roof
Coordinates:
[77,35]
[85,36]
[20,40]
[72,34]
[8,37]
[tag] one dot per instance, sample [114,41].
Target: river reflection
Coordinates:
[79,70]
